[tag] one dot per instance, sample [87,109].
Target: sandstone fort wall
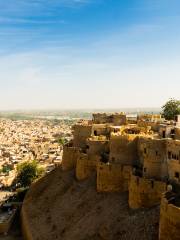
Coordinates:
[144,192]
[123,149]
[112,177]
[70,156]
[152,155]
[81,133]
[169,219]
[85,166]
[25,225]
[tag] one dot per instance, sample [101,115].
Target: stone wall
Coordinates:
[116,119]
[149,117]
[173,155]
[177,133]
[81,133]
[99,118]
[144,192]
[154,125]
[165,131]
[112,177]
[169,218]
[97,146]
[152,155]
[174,170]
[100,129]
[119,119]
[70,156]
[25,227]
[85,165]
[123,149]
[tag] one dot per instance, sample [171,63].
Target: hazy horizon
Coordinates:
[82,109]
[87,54]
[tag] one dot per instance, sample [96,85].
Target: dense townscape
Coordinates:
[25,140]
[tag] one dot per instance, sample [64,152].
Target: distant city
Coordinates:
[70,114]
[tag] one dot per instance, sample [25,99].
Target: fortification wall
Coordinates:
[119,119]
[173,147]
[70,156]
[116,119]
[144,192]
[153,124]
[174,170]
[165,131]
[100,129]
[177,133]
[123,149]
[25,226]
[112,177]
[81,133]
[169,228]
[99,118]
[152,155]
[85,165]
[97,146]
[173,155]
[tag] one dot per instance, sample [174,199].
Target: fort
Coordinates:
[141,157]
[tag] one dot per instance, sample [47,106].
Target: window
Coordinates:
[95,133]
[172,131]
[169,155]
[164,134]
[176,175]
[113,159]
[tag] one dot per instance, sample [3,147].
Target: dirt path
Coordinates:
[15,231]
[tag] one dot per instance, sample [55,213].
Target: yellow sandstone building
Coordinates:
[140,156]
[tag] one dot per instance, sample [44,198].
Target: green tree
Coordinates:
[62,141]
[28,172]
[170,109]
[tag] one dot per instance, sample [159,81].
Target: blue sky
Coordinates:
[88,53]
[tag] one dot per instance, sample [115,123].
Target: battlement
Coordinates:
[123,148]
[145,192]
[112,177]
[152,155]
[70,156]
[177,132]
[116,119]
[86,165]
[169,217]
[100,130]
[153,124]
[81,133]
[149,117]
[97,146]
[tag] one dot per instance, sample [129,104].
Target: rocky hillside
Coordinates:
[59,207]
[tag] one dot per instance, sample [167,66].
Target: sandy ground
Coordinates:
[61,208]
